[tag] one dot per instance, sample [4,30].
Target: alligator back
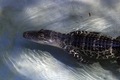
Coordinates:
[93,44]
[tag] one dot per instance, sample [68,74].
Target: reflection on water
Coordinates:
[25,60]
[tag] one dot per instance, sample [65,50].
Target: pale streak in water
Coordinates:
[40,65]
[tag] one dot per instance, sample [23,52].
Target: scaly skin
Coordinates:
[79,43]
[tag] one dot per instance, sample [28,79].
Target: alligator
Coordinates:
[80,44]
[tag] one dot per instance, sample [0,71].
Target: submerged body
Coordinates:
[80,44]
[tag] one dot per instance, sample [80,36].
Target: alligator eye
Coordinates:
[41,36]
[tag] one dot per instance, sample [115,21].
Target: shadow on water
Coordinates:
[111,66]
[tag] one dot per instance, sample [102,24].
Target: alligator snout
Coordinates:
[24,34]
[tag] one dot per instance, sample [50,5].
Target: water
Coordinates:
[25,60]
